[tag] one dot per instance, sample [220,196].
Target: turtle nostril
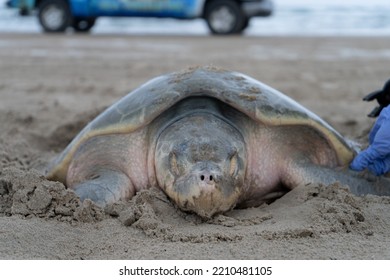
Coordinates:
[207,178]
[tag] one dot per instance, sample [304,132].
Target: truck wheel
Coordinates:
[245,24]
[54,15]
[83,24]
[224,17]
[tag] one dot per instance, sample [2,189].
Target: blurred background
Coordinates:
[290,17]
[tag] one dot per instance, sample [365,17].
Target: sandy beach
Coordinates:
[52,86]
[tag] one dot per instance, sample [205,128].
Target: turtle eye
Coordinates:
[173,163]
[233,164]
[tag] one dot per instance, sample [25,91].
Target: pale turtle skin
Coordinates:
[212,140]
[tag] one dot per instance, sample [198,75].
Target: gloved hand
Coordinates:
[376,157]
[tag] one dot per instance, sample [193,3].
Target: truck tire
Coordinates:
[83,24]
[224,17]
[245,24]
[54,15]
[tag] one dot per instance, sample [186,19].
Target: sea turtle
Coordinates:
[211,139]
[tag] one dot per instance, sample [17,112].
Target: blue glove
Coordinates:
[376,157]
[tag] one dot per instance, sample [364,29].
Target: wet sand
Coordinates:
[51,86]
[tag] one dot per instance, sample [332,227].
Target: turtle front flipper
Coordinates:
[104,187]
[358,184]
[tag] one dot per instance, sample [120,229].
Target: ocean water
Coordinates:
[299,19]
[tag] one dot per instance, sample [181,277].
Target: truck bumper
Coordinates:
[257,8]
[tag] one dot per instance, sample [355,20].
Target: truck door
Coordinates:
[145,8]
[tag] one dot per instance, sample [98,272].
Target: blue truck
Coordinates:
[222,16]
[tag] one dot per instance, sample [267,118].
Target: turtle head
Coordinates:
[200,164]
